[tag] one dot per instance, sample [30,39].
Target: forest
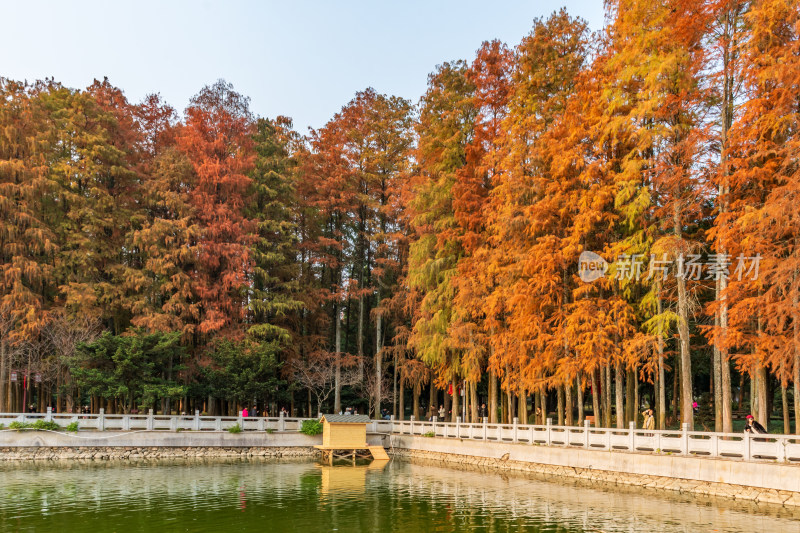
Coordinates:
[408,255]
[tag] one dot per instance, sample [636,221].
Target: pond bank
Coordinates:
[748,481]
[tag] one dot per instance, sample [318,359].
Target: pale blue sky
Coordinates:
[301,59]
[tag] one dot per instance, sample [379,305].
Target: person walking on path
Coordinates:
[752,426]
[649,420]
[245,414]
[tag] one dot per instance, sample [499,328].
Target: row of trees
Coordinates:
[435,247]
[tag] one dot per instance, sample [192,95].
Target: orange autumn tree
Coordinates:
[444,130]
[762,220]
[530,214]
[217,140]
[490,74]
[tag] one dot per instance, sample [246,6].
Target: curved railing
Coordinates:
[742,446]
[737,446]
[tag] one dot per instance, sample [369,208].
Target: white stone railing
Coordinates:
[154,422]
[741,446]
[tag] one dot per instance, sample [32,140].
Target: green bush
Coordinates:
[235,429]
[429,434]
[2,426]
[270,430]
[50,426]
[39,425]
[72,426]
[311,427]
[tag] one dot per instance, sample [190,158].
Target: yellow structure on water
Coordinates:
[347,433]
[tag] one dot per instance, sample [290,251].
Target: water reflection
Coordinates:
[258,495]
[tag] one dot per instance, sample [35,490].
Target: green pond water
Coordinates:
[303,496]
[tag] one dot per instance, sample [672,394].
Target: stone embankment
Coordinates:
[759,482]
[99,453]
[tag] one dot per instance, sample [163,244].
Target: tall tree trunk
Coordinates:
[401,413]
[378,356]
[395,366]
[337,394]
[579,387]
[787,421]
[761,414]
[3,387]
[543,398]
[631,396]
[676,389]
[455,410]
[568,403]
[169,378]
[607,395]
[661,407]
[415,408]
[687,414]
[448,403]
[433,400]
[560,404]
[618,388]
[492,397]
[474,401]
[717,368]
[730,28]
[796,339]
[360,341]
[598,419]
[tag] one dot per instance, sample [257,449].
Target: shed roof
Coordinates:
[346,419]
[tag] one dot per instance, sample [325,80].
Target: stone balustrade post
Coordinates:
[218,423]
[548,428]
[485,428]
[411,424]
[586,433]
[126,422]
[49,416]
[632,435]
[173,422]
[261,426]
[747,455]
[150,421]
[282,422]
[780,453]
[101,420]
[514,434]
[434,419]
[458,427]
[685,438]
[197,420]
[714,445]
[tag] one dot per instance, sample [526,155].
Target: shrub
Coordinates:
[2,426]
[429,434]
[72,426]
[38,425]
[236,428]
[311,427]
[270,430]
[49,426]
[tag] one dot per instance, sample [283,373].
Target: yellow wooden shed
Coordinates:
[347,433]
[344,431]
